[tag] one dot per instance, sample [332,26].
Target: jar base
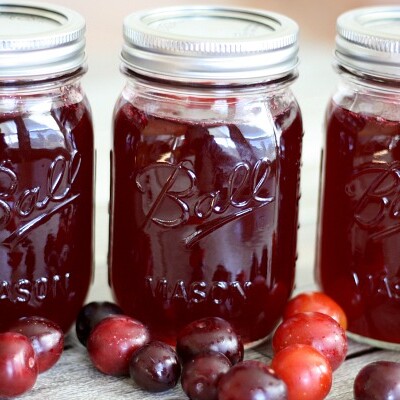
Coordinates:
[373,342]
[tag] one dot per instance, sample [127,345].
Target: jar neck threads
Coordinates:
[368,42]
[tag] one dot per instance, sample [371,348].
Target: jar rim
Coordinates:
[39,40]
[210,44]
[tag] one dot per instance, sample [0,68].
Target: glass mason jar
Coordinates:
[358,248]
[205,169]
[46,164]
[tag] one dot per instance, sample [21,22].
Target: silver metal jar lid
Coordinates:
[368,41]
[205,44]
[39,40]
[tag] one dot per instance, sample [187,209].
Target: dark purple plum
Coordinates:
[379,380]
[251,380]
[155,367]
[209,334]
[200,376]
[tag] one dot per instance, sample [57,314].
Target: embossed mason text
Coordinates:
[217,292]
[26,290]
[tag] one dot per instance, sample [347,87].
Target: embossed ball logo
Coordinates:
[375,193]
[171,196]
[18,204]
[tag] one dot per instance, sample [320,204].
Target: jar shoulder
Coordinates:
[220,105]
[36,99]
[360,97]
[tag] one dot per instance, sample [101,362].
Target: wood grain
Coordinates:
[75,378]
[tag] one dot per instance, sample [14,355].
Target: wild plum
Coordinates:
[46,336]
[251,380]
[209,334]
[113,341]
[201,375]
[155,367]
[18,366]
[379,380]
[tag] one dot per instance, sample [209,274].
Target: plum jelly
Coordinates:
[358,248]
[359,232]
[46,165]
[200,213]
[205,190]
[46,206]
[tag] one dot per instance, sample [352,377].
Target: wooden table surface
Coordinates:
[74,377]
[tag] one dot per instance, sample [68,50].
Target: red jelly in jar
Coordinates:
[205,169]
[358,250]
[46,164]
